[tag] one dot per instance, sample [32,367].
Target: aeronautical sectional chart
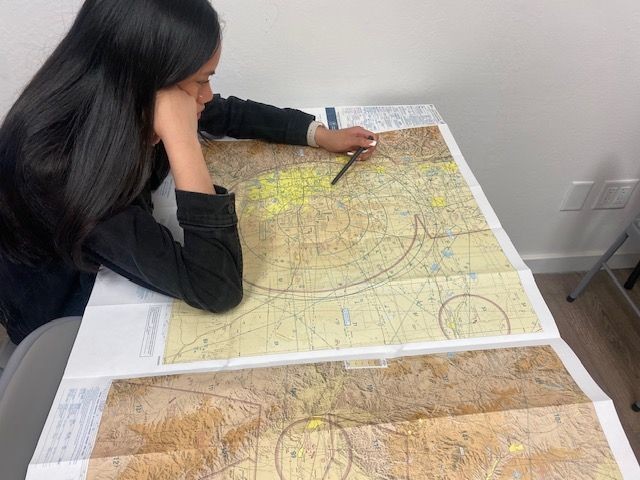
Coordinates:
[397,252]
[325,421]
[402,263]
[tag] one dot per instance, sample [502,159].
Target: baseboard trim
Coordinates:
[551,263]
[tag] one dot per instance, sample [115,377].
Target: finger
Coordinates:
[354,143]
[366,156]
[352,153]
[362,132]
[368,153]
[366,142]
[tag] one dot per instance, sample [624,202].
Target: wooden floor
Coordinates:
[604,332]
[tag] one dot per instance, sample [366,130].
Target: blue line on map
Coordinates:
[346,318]
[332,119]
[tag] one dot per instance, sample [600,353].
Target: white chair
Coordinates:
[28,386]
[633,228]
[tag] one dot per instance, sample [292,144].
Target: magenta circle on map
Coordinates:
[314,447]
[467,315]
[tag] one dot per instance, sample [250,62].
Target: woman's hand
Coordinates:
[175,122]
[175,118]
[347,140]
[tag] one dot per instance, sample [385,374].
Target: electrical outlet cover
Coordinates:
[615,194]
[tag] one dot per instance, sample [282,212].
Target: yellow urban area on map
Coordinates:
[509,413]
[398,251]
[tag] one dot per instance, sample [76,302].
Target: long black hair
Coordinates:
[76,146]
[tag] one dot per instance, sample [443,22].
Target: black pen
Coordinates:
[350,162]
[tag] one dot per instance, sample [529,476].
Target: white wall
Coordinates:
[537,94]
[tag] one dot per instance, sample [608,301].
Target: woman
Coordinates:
[118,103]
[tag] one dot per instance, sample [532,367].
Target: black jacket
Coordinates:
[206,273]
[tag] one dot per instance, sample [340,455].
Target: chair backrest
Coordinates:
[6,350]
[28,386]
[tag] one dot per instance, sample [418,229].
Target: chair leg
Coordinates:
[598,265]
[631,281]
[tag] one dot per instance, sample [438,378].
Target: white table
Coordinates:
[123,330]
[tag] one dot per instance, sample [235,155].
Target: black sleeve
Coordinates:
[248,119]
[206,273]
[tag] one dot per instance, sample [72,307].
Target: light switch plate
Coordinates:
[576,195]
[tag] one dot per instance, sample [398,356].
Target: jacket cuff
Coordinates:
[311,133]
[202,210]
